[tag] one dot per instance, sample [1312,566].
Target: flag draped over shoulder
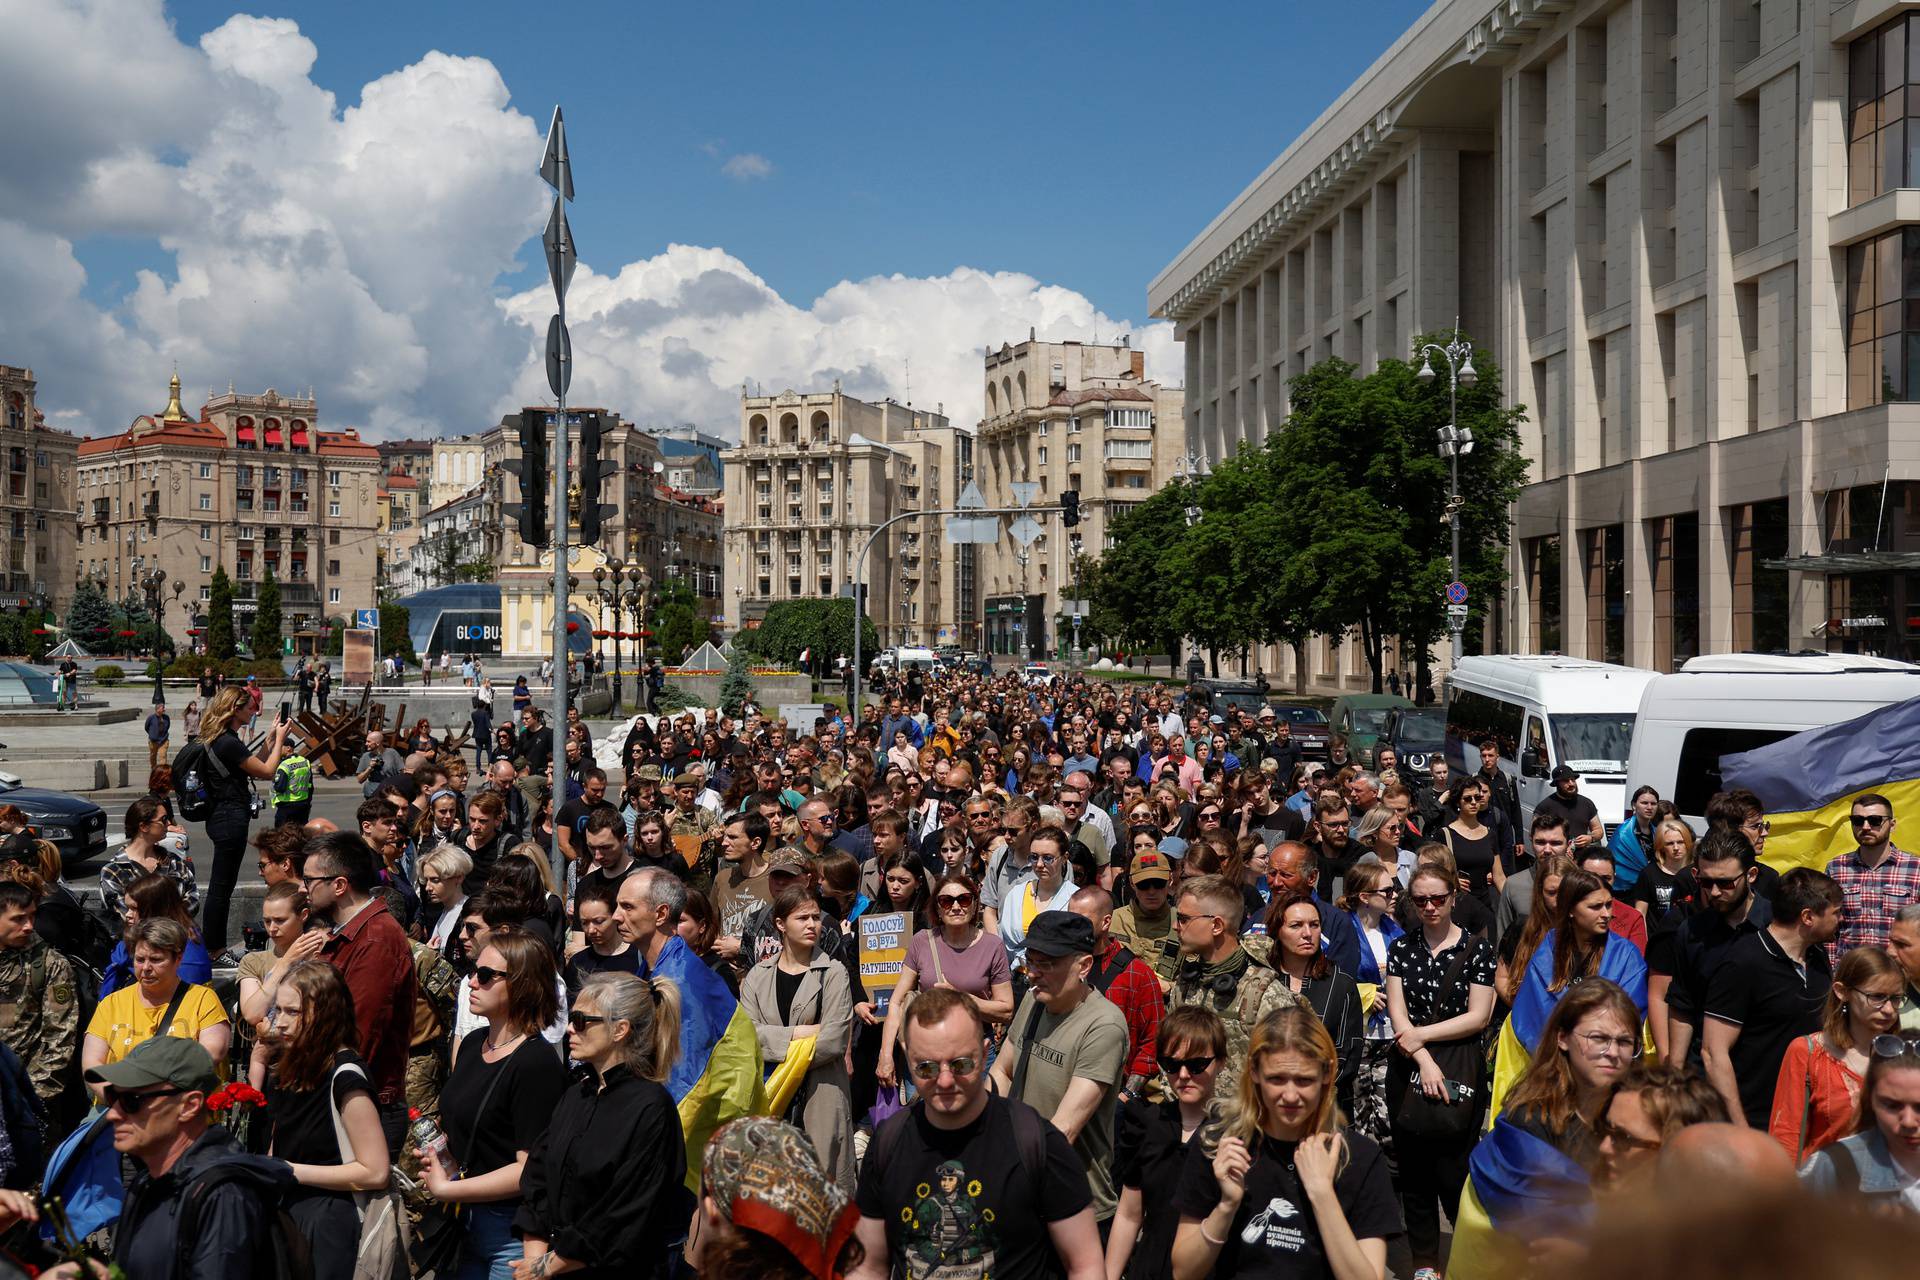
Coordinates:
[1808,782]
[1519,1188]
[1534,1002]
[717,1078]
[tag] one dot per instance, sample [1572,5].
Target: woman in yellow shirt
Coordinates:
[134,1013]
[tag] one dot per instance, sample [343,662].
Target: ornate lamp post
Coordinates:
[1454,441]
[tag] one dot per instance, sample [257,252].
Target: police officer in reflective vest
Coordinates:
[292,789]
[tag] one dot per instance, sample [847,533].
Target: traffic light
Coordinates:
[530,513]
[593,470]
[1069,508]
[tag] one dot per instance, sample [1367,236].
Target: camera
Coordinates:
[254,936]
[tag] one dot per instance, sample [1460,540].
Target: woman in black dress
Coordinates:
[1471,841]
[604,1192]
[1151,1141]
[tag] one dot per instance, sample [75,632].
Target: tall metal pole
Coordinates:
[1458,354]
[1453,502]
[556,169]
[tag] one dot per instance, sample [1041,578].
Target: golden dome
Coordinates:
[174,412]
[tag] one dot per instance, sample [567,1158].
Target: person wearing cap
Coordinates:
[1066,1049]
[192,1188]
[1583,819]
[768,1211]
[1127,982]
[1145,925]
[688,819]
[759,939]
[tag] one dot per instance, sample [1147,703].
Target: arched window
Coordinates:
[757,429]
[993,401]
[820,430]
[1022,403]
[789,429]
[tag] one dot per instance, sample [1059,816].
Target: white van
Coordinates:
[1546,711]
[1723,704]
[914,656]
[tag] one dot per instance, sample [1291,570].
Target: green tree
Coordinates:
[220,644]
[736,686]
[394,636]
[678,628]
[266,618]
[1357,470]
[336,636]
[1134,601]
[90,617]
[825,626]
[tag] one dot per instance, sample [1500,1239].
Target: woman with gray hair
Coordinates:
[156,1002]
[604,1193]
[1379,832]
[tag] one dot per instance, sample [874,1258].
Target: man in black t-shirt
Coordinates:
[1584,827]
[1697,944]
[571,821]
[965,1184]
[604,838]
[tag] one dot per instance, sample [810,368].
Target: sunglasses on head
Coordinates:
[486,977]
[1895,1046]
[1192,1066]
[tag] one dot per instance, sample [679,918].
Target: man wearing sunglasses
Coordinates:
[156,1100]
[1725,873]
[1877,878]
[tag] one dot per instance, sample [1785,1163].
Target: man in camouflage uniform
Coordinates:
[687,818]
[1219,973]
[39,1014]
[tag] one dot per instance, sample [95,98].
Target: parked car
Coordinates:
[1308,728]
[78,827]
[1361,718]
[1036,673]
[1230,695]
[1416,734]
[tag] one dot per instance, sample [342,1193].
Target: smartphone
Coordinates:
[285,713]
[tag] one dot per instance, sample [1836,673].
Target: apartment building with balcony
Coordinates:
[36,500]
[814,476]
[1065,416]
[1689,231]
[250,483]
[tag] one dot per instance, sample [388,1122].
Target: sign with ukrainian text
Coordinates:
[883,954]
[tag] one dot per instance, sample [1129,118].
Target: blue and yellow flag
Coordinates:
[717,1078]
[1534,1002]
[1809,782]
[1519,1188]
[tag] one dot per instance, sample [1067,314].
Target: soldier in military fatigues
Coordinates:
[39,1013]
[687,818]
[1233,983]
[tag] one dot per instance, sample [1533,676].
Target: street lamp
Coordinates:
[1455,440]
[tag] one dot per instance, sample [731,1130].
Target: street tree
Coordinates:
[89,617]
[220,646]
[266,618]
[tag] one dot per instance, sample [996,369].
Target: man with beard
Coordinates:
[1692,952]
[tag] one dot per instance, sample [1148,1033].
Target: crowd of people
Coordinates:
[1175,1002]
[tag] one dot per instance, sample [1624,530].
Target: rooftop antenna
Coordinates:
[909,381]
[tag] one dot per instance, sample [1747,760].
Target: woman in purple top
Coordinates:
[956,953]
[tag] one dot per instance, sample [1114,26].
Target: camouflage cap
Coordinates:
[766,1178]
[789,858]
[648,773]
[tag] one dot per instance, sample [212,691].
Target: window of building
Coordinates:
[206,502]
[1073,424]
[333,509]
[206,471]
[206,591]
[333,537]
[1130,448]
[1130,418]
[39,457]
[1883,348]
[1880,156]
[333,567]
[1043,455]
[206,533]
[40,521]
[333,478]
[1073,453]
[333,595]
[1042,430]
[206,564]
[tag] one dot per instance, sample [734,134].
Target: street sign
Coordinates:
[1024,530]
[1024,492]
[366,619]
[559,364]
[1456,613]
[555,167]
[971,499]
[973,530]
[558,242]
[1456,593]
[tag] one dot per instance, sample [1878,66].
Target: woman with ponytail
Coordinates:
[604,1192]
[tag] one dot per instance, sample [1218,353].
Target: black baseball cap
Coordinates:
[1060,933]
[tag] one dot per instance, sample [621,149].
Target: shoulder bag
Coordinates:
[1462,1062]
[384,1239]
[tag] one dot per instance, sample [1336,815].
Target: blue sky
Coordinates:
[1081,144]
[342,194]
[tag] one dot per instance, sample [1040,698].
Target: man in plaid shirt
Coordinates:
[1127,981]
[1876,878]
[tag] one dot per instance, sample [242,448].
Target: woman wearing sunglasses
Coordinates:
[803,992]
[1440,999]
[1817,1097]
[603,1192]
[498,1101]
[317,1088]
[956,954]
[1881,1157]
[1371,890]
[1151,1141]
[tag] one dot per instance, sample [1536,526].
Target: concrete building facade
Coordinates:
[37,505]
[814,476]
[1065,416]
[250,483]
[1688,232]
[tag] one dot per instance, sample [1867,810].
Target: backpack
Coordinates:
[437,985]
[280,1253]
[23,1123]
[194,800]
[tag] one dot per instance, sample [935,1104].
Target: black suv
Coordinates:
[78,827]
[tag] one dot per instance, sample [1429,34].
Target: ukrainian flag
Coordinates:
[1519,1188]
[717,1078]
[1809,782]
[1533,1004]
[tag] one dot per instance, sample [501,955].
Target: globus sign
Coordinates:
[476,632]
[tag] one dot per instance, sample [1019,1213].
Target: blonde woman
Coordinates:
[1283,1191]
[225,773]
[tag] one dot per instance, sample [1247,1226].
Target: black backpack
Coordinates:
[281,1252]
[193,798]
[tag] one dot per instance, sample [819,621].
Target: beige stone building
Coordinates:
[1065,416]
[1688,232]
[814,475]
[249,483]
[37,500]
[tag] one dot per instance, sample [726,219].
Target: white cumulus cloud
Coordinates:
[360,247]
